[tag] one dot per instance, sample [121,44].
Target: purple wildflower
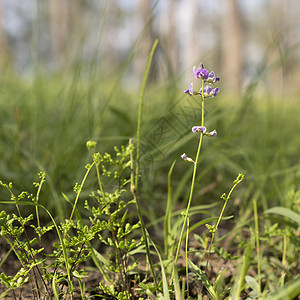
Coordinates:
[200,73]
[186,158]
[212,133]
[189,90]
[209,92]
[199,129]
[204,75]
[212,78]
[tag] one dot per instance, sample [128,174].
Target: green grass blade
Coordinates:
[204,279]
[284,212]
[141,100]
[219,284]
[163,275]
[54,287]
[135,187]
[238,284]
[176,285]
[167,226]
[100,260]
[289,291]
[65,254]
[67,199]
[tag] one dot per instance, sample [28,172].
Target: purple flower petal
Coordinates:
[184,156]
[199,129]
[204,74]
[213,133]
[215,91]
[201,74]
[189,90]
[209,92]
[211,77]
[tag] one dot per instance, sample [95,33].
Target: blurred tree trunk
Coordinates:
[189,33]
[232,46]
[5,58]
[292,28]
[142,51]
[59,17]
[168,29]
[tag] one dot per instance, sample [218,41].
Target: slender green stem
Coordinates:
[193,181]
[239,179]
[257,247]
[141,100]
[37,199]
[284,261]
[78,193]
[98,172]
[167,220]
[202,105]
[190,199]
[186,213]
[134,186]
[186,257]
[99,180]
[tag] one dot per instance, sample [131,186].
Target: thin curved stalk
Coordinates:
[134,183]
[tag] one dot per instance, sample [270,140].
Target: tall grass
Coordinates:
[45,124]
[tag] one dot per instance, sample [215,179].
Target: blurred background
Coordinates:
[238,38]
[71,71]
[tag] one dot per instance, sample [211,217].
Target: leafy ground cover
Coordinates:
[114,217]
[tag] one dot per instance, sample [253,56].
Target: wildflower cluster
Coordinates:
[205,76]
[204,92]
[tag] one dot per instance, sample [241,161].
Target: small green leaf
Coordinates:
[252,283]
[67,199]
[219,284]
[77,275]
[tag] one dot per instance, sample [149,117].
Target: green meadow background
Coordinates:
[57,98]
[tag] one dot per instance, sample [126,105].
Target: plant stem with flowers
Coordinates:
[205,92]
